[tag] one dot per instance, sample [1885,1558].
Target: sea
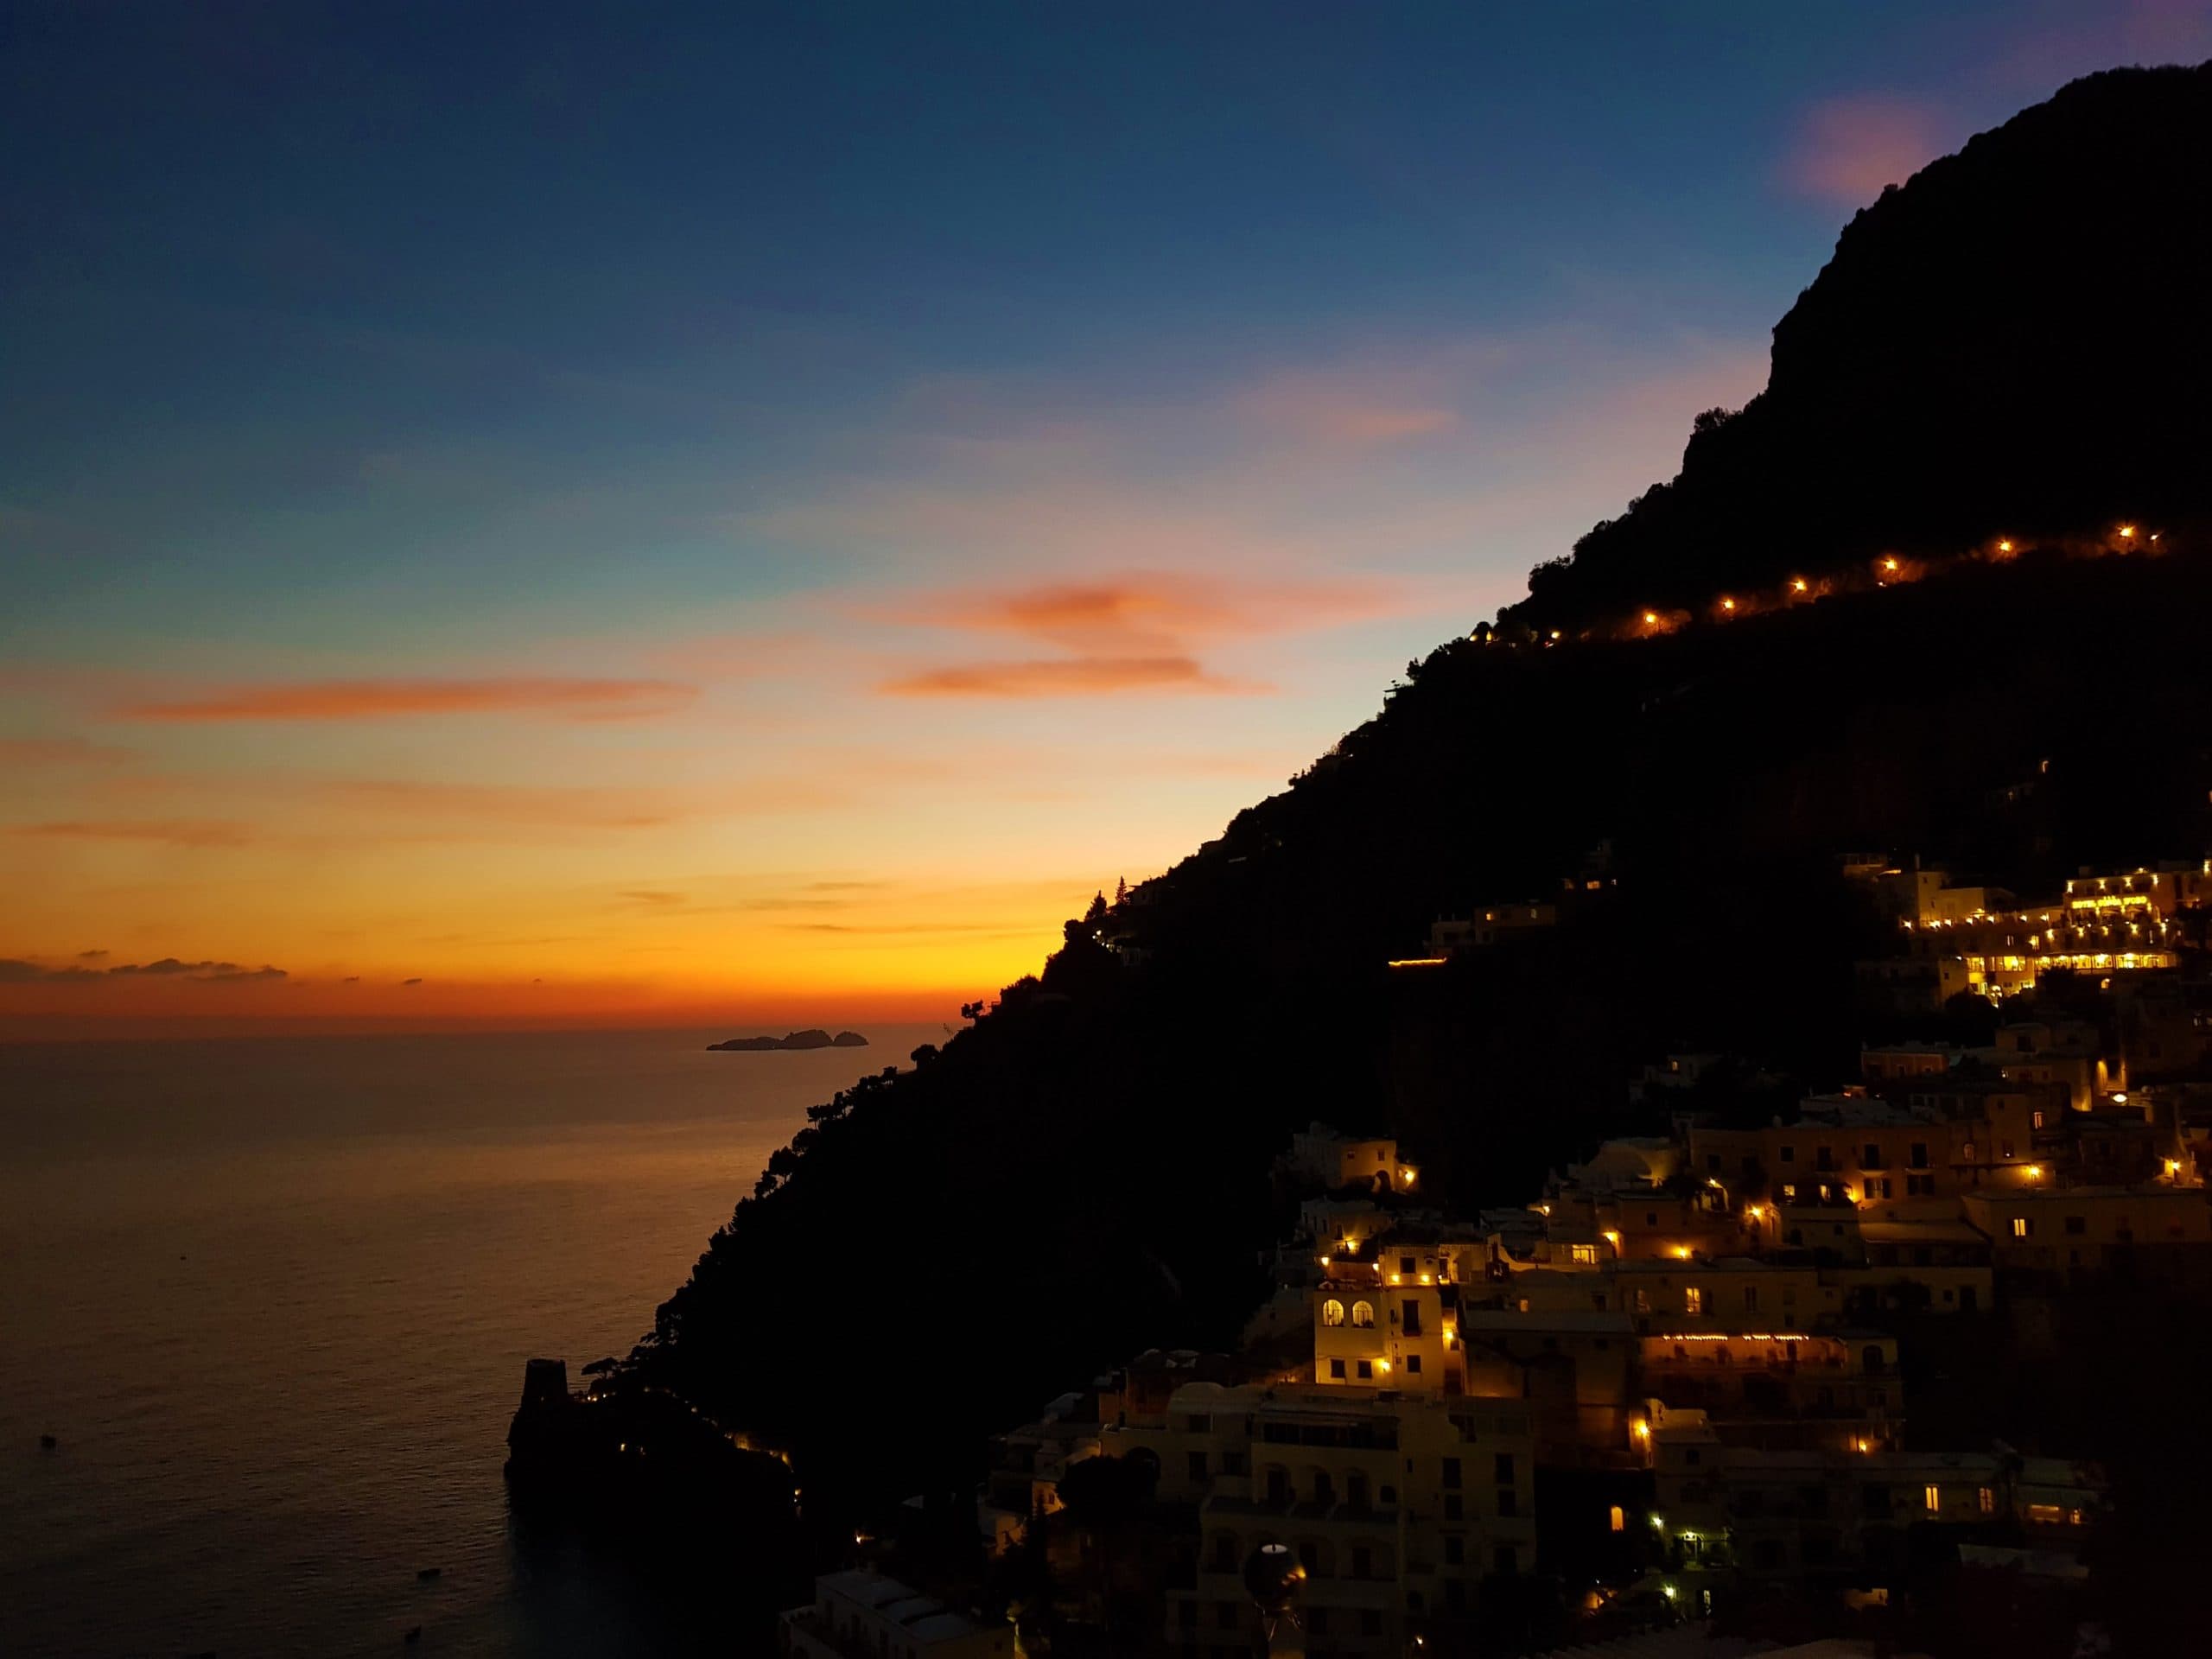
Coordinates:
[272,1297]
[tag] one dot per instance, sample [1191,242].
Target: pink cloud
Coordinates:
[1847,149]
[1136,632]
[378,699]
[1344,410]
[1070,677]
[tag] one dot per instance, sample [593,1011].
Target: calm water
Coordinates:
[273,1296]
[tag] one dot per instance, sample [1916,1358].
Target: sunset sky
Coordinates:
[519,514]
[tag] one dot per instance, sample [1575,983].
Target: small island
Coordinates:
[812,1038]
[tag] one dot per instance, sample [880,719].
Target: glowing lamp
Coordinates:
[1383,1365]
[1650,618]
[2035,1172]
[2127,532]
[1727,604]
[1797,584]
[1888,564]
[2004,547]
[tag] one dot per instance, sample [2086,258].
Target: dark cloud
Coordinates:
[18,971]
[415,980]
[92,956]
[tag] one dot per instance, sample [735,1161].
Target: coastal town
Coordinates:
[1677,1388]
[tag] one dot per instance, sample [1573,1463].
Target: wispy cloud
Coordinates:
[27,751]
[578,806]
[1355,412]
[1136,632]
[168,832]
[381,699]
[1072,677]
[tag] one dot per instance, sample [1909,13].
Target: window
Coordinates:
[1362,1315]
[1332,1312]
[1585,1255]
[1870,1156]
[2077,1225]
[1693,1299]
[1366,1369]
[1363,1561]
[1618,1518]
[1789,1154]
[1508,1501]
[1503,1468]
[1966,1153]
[1452,1509]
[1412,1363]
[2022,1227]
[1932,1498]
[1986,1501]
[1405,1264]
[1198,1465]
[1451,1474]
[1919,1155]
[2035,1121]
[1504,1562]
[1750,1298]
[1598,1301]
[1336,1368]
[1455,1549]
[1411,1321]
[1823,1158]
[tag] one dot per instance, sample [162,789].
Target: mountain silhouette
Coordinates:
[2014,344]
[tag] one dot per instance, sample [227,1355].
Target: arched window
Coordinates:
[1362,1314]
[1333,1312]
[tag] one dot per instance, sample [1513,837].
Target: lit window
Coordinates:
[1986,1501]
[1693,1299]
[1933,1497]
[1332,1312]
[2022,1227]
[1362,1315]
[1618,1518]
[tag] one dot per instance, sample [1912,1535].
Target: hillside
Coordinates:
[2013,345]
[1082,1174]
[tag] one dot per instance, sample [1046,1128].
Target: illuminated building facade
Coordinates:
[1395,1508]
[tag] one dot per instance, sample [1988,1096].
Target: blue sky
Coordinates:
[876,381]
